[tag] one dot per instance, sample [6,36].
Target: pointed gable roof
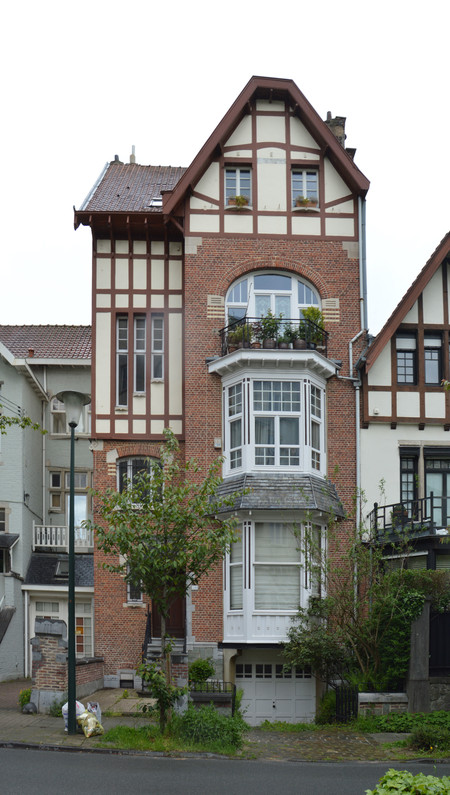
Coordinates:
[408,300]
[269,88]
[47,342]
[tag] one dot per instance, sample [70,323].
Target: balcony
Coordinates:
[56,538]
[286,334]
[428,516]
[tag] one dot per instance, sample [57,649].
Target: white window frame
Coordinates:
[140,356]
[245,295]
[59,490]
[238,182]
[122,365]
[304,183]
[157,345]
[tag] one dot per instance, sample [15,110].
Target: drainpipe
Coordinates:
[362,262]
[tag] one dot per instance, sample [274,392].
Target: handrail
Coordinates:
[57,536]
[429,513]
[250,332]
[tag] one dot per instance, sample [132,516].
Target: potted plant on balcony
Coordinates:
[238,201]
[270,326]
[305,201]
[296,335]
[314,325]
[239,337]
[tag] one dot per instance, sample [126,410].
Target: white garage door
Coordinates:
[270,693]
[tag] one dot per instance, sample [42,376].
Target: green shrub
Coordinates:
[430,738]
[201,670]
[408,721]
[326,712]
[404,782]
[206,725]
[56,708]
[24,697]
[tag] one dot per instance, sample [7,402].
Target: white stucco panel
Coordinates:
[175,301]
[379,464]
[157,398]
[204,223]
[408,404]
[335,187]
[157,247]
[157,274]
[121,273]
[102,426]
[175,274]
[104,246]
[103,270]
[209,183]
[413,315]
[139,247]
[157,301]
[306,224]
[234,154]
[202,204]
[272,225]
[380,373]
[176,426]
[175,248]
[242,134]
[343,207]
[176,364]
[121,426]
[272,186]
[139,301]
[380,404]
[103,300]
[139,426]
[103,360]
[435,405]
[270,128]
[300,135]
[121,246]
[122,300]
[156,426]
[340,227]
[239,223]
[433,304]
[139,404]
[139,274]
[268,106]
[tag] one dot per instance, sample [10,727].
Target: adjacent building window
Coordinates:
[139,354]
[157,347]
[408,479]
[305,186]
[406,345]
[433,359]
[238,182]
[59,495]
[58,421]
[2,520]
[122,361]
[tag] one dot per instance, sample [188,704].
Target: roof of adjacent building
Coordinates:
[287,492]
[441,252]
[42,570]
[129,187]
[47,342]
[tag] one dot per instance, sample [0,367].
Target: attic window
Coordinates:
[62,569]
[155,202]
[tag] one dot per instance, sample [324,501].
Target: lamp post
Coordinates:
[73,404]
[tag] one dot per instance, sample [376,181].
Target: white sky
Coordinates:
[85,81]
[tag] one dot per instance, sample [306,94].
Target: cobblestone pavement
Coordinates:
[44,730]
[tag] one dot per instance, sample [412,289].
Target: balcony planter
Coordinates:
[269,343]
[238,201]
[305,202]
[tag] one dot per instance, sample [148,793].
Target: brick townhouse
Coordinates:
[187,263]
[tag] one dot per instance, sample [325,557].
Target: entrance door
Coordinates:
[175,626]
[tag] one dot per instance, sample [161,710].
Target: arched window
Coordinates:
[129,468]
[281,293]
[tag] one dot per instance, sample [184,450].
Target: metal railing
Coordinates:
[288,333]
[57,537]
[428,514]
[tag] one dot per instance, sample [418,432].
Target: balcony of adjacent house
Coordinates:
[272,333]
[55,538]
[411,519]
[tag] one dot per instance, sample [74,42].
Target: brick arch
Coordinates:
[136,449]
[289,266]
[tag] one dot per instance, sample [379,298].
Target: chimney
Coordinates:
[337,127]
[116,160]
[30,353]
[132,156]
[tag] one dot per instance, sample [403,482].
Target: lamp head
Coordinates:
[73,404]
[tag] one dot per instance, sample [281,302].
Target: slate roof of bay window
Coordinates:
[47,342]
[298,492]
[42,569]
[130,187]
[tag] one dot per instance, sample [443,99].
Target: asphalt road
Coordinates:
[36,772]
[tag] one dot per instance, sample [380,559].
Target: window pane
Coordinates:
[236,587]
[264,430]
[277,587]
[275,541]
[272,281]
[289,430]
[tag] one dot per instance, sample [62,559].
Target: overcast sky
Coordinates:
[85,81]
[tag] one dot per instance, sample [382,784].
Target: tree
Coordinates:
[360,632]
[166,529]
[21,422]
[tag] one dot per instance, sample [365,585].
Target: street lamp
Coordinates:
[73,404]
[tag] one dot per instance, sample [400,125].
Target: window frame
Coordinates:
[301,187]
[241,185]
[157,346]
[140,353]
[243,295]
[434,351]
[406,358]
[122,364]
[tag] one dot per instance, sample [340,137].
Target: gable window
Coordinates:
[122,361]
[305,187]
[238,182]
[139,354]
[406,346]
[433,359]
[157,347]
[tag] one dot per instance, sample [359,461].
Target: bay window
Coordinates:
[277,567]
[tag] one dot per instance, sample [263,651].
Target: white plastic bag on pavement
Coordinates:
[79,709]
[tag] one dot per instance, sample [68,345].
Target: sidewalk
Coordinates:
[47,732]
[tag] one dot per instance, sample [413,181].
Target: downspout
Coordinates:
[26,633]
[44,447]
[362,262]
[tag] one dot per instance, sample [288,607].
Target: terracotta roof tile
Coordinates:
[129,187]
[47,342]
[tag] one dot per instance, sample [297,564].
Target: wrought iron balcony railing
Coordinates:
[273,332]
[426,516]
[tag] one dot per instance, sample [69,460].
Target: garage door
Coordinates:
[271,693]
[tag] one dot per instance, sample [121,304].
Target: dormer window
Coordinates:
[238,187]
